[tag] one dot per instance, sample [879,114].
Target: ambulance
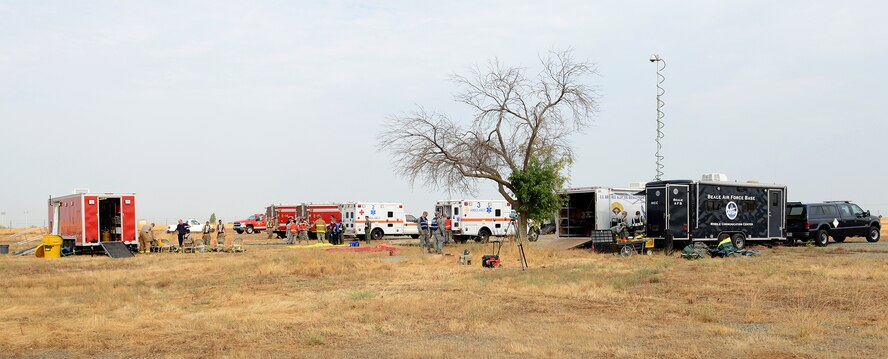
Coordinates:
[480,219]
[387,219]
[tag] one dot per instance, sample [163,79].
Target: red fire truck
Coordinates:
[85,220]
[278,214]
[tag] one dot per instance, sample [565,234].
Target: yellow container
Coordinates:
[52,246]
[649,243]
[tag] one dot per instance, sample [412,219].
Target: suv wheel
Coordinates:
[739,241]
[838,239]
[822,238]
[873,235]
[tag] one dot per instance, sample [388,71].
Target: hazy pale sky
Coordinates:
[225,107]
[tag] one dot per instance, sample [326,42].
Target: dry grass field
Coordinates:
[273,301]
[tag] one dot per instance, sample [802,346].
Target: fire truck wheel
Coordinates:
[873,235]
[376,234]
[738,240]
[249,229]
[483,235]
[822,238]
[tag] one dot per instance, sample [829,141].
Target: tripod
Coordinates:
[521,257]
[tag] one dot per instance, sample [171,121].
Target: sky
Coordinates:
[225,107]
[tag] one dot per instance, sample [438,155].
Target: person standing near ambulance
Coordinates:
[368,227]
[335,231]
[436,231]
[448,230]
[424,234]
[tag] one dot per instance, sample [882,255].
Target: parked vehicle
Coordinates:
[88,219]
[588,209]
[387,219]
[253,224]
[277,216]
[714,210]
[820,221]
[482,219]
[196,226]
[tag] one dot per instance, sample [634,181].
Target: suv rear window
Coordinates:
[822,210]
[797,211]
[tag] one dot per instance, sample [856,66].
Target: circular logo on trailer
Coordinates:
[731,210]
[675,191]
[657,193]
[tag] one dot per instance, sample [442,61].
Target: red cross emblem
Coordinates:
[361,212]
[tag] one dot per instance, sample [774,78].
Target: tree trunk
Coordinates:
[521,231]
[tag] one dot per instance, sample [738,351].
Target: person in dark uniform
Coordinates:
[181,230]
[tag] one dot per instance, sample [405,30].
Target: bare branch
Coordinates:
[515,119]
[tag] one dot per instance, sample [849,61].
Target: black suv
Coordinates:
[819,221]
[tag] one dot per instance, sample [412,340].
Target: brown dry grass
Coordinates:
[278,302]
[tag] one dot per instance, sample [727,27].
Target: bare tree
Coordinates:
[516,119]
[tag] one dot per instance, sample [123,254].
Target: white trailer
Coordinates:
[591,208]
[387,219]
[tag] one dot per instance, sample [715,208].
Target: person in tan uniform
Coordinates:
[145,237]
[206,238]
[321,229]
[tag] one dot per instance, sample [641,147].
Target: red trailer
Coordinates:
[278,214]
[92,218]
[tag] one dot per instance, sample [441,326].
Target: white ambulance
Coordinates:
[479,219]
[387,219]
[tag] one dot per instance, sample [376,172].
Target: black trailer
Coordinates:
[712,211]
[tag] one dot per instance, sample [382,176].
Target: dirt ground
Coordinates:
[274,301]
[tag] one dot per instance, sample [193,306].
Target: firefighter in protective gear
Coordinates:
[321,230]
[145,238]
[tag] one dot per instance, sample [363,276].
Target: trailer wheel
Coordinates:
[838,239]
[789,241]
[376,234]
[627,251]
[822,238]
[738,240]
[873,235]
[483,235]
[249,229]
